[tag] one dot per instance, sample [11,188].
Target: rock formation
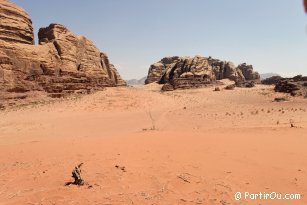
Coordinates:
[188,72]
[296,86]
[185,72]
[16,25]
[272,80]
[248,72]
[223,69]
[62,62]
[264,76]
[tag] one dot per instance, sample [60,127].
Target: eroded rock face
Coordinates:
[248,72]
[62,62]
[188,72]
[224,69]
[182,72]
[16,25]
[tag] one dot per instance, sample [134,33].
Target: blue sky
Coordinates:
[269,34]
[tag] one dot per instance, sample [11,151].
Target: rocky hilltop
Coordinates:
[189,72]
[62,62]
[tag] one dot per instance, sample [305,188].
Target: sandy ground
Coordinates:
[182,147]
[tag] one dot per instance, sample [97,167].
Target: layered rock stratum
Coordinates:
[190,72]
[15,25]
[62,62]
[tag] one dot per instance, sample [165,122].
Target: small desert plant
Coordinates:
[76,174]
[153,122]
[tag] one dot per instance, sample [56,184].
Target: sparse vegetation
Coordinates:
[153,122]
[76,174]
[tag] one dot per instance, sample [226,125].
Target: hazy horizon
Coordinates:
[270,35]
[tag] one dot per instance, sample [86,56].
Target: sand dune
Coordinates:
[182,147]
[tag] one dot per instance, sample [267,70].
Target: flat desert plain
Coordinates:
[142,146]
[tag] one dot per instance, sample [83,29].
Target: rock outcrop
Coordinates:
[224,69]
[245,84]
[62,62]
[264,76]
[296,86]
[188,72]
[272,80]
[16,25]
[248,72]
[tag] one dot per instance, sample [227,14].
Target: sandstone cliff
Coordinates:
[62,62]
[198,71]
[15,25]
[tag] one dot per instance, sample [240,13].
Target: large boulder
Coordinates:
[198,71]
[62,62]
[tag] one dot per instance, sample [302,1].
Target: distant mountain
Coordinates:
[136,81]
[267,75]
